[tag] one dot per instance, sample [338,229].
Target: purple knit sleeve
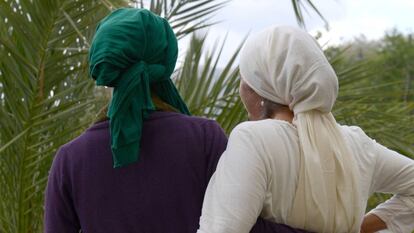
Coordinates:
[60,215]
[264,226]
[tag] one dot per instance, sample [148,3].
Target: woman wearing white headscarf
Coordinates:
[296,165]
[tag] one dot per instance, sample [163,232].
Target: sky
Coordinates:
[347,19]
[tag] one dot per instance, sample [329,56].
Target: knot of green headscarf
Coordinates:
[135,52]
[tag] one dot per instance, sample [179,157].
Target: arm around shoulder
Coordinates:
[235,194]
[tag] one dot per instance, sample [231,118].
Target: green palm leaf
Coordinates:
[185,16]
[45,98]
[375,107]
[209,90]
[300,5]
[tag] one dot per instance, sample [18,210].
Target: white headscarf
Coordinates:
[287,66]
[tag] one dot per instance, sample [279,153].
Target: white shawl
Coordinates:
[287,66]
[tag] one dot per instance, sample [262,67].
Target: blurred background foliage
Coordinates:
[47,98]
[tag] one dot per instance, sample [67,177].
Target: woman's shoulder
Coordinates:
[264,130]
[359,141]
[262,124]
[355,133]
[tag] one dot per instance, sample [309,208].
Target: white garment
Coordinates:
[258,173]
[286,65]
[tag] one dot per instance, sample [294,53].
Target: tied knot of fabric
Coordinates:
[287,66]
[153,73]
[132,95]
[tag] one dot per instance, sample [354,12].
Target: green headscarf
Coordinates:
[134,51]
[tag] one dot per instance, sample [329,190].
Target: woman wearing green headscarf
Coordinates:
[146,167]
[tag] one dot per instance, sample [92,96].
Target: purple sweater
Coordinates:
[161,193]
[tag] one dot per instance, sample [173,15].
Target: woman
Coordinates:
[293,163]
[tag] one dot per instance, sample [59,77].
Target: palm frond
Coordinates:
[186,16]
[375,107]
[300,5]
[45,96]
[209,90]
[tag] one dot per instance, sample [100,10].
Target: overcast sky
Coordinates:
[347,19]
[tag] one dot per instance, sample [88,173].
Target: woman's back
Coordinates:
[163,192]
[281,154]
[262,161]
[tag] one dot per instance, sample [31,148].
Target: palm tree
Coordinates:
[46,98]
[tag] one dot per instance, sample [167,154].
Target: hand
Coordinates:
[372,223]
